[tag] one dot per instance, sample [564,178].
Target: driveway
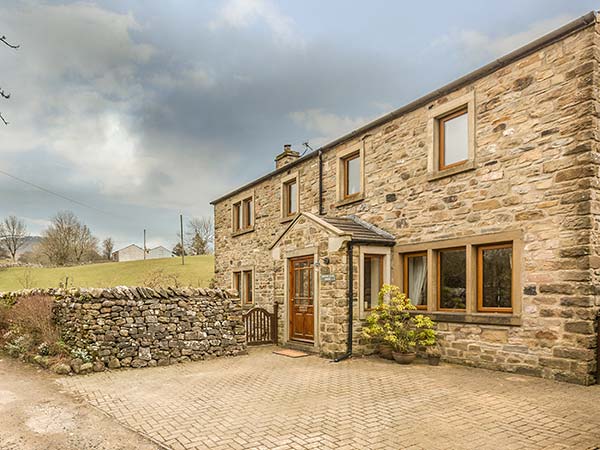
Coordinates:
[35,414]
[266,401]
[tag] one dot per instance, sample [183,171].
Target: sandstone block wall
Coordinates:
[535,173]
[139,327]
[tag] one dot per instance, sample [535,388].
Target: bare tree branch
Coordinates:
[3,39]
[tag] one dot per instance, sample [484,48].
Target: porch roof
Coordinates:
[352,227]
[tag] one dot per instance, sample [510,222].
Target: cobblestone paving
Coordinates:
[265,401]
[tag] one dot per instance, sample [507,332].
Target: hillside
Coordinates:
[197,272]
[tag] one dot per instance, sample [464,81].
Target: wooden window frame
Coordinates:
[245,289]
[463,110]
[287,198]
[242,219]
[346,180]
[248,287]
[480,250]
[405,284]
[381,257]
[439,278]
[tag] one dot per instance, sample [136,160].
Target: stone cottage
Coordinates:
[480,200]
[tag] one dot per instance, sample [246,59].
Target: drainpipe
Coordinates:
[598,348]
[348,353]
[321,212]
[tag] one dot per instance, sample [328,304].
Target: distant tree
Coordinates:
[200,235]
[107,248]
[13,235]
[177,250]
[3,94]
[67,240]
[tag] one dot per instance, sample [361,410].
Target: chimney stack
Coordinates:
[287,156]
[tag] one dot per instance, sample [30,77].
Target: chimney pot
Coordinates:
[287,156]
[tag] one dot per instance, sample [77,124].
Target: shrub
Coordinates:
[27,327]
[392,323]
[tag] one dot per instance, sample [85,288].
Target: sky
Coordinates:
[140,111]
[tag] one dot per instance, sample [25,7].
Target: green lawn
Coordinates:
[197,272]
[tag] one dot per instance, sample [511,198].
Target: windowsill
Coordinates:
[350,200]
[241,232]
[506,319]
[438,174]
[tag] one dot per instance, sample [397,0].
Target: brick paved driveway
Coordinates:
[267,401]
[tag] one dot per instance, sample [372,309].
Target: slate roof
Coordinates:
[360,230]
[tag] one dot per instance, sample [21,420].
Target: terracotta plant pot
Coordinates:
[433,360]
[404,358]
[385,351]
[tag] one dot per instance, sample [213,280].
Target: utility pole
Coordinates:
[181,231]
[144,243]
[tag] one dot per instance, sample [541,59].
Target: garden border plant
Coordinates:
[392,324]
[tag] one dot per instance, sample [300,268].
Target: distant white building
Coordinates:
[135,253]
[159,252]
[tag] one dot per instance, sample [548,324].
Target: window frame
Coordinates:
[472,314]
[386,253]
[343,156]
[405,283]
[438,275]
[244,289]
[441,144]
[286,183]
[346,179]
[381,259]
[444,112]
[480,250]
[242,219]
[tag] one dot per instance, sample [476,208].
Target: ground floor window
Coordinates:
[494,278]
[243,282]
[473,277]
[452,279]
[372,280]
[415,278]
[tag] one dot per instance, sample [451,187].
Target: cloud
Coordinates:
[328,126]
[244,13]
[476,44]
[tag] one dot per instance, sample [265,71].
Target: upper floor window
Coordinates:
[289,197]
[243,215]
[453,139]
[351,175]
[451,131]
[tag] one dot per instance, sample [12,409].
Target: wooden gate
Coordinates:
[261,326]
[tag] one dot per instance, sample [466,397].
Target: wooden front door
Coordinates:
[302,319]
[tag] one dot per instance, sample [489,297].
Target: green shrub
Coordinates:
[392,323]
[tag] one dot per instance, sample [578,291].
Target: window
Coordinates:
[415,278]
[290,198]
[243,283]
[453,139]
[237,282]
[243,215]
[452,279]
[248,288]
[372,280]
[494,278]
[351,175]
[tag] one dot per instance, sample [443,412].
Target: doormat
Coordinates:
[291,353]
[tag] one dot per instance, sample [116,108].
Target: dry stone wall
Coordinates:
[139,327]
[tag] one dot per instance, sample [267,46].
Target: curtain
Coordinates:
[417,271]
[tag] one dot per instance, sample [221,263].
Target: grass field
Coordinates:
[197,272]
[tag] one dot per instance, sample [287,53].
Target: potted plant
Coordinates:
[433,356]
[391,323]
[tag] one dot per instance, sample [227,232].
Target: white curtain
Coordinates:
[417,272]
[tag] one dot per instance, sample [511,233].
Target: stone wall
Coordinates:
[535,174]
[139,327]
